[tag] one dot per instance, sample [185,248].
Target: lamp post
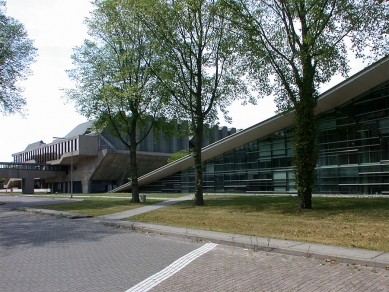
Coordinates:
[71,166]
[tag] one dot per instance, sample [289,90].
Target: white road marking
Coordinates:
[170,270]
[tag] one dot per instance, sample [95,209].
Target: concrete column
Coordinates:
[27,185]
[85,185]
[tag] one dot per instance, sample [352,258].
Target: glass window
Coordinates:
[279,175]
[348,171]
[323,124]
[264,150]
[264,163]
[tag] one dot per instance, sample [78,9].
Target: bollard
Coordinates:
[143,198]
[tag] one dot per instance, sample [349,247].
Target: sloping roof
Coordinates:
[34,145]
[357,84]
[81,129]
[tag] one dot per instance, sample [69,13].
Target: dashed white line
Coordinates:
[170,270]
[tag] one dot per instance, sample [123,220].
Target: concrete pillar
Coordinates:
[85,185]
[27,185]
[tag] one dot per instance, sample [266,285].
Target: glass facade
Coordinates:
[353,141]
[47,152]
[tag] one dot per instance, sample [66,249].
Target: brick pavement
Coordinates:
[235,269]
[42,253]
[45,253]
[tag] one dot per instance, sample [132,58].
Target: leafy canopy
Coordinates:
[303,44]
[16,55]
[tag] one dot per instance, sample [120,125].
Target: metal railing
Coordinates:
[31,166]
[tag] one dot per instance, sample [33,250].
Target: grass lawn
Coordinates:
[97,206]
[350,222]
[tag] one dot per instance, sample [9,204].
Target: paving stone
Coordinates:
[236,269]
[44,253]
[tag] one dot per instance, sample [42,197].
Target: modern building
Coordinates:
[353,141]
[97,161]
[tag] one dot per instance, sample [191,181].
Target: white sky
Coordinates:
[56,26]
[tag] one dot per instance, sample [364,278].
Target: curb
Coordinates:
[288,247]
[242,242]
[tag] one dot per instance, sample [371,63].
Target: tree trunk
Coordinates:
[199,197]
[305,156]
[133,164]
[305,138]
[305,200]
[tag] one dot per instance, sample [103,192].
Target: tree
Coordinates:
[16,55]
[304,43]
[114,85]
[200,70]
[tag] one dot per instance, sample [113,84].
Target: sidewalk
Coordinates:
[354,256]
[141,210]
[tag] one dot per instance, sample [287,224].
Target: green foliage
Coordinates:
[303,44]
[178,155]
[199,69]
[16,54]
[115,86]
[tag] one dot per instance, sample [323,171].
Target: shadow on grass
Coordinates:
[89,203]
[374,208]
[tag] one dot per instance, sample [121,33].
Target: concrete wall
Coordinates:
[83,169]
[88,145]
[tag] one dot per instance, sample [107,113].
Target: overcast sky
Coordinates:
[56,26]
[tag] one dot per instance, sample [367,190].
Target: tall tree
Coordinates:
[305,44]
[200,70]
[114,85]
[16,55]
